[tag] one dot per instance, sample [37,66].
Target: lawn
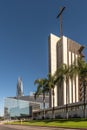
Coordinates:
[72,123]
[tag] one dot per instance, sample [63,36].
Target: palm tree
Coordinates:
[80,69]
[50,85]
[41,89]
[63,73]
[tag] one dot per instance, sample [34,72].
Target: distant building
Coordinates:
[23,106]
[64,50]
[20,88]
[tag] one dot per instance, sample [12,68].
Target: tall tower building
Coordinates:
[63,50]
[20,88]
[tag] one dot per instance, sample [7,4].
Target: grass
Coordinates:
[73,123]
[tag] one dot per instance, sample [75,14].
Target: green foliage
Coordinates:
[72,123]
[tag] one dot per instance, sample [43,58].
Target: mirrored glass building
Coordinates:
[23,107]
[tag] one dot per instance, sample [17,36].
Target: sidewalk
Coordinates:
[21,127]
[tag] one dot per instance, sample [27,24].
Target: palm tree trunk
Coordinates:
[84,86]
[53,116]
[67,101]
[44,105]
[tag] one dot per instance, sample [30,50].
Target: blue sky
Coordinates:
[24,29]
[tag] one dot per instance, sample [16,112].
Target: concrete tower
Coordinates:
[63,50]
[20,88]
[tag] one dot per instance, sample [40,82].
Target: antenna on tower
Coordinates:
[60,16]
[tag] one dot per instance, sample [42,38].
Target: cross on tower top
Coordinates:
[60,16]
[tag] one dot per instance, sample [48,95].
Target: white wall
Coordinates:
[65,62]
[53,43]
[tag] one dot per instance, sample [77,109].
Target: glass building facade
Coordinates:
[15,108]
[18,108]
